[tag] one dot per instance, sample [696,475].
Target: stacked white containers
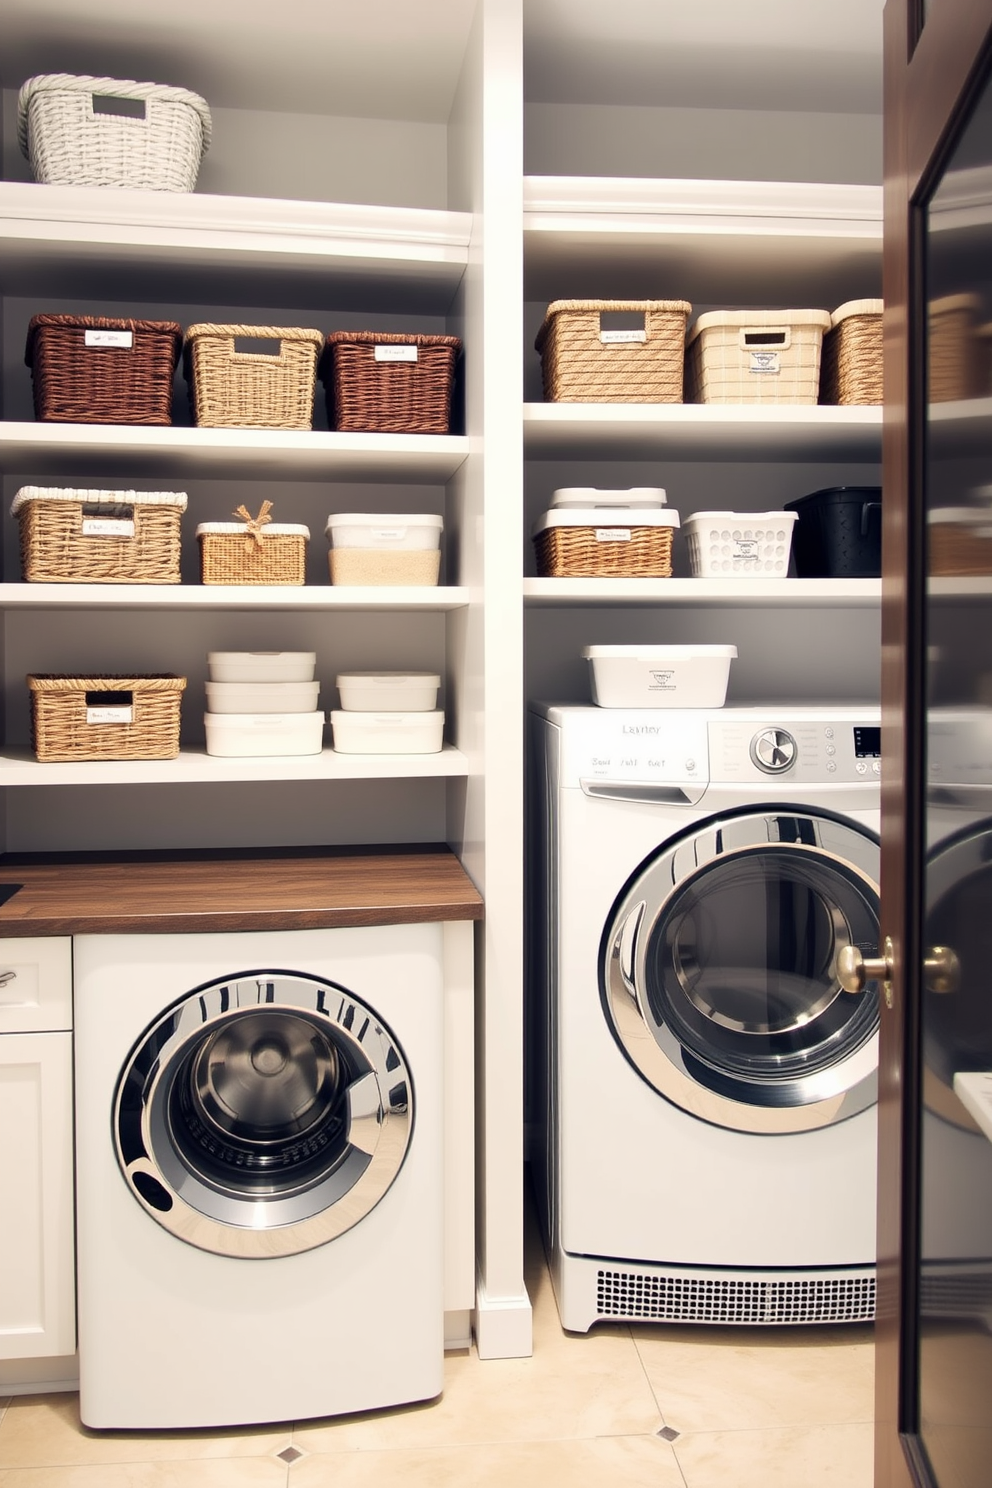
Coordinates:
[388,713]
[263,703]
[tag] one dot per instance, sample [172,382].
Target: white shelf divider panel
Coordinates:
[300,454]
[22,769]
[20,597]
[708,431]
[742,593]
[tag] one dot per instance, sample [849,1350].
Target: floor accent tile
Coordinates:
[668,1434]
[290,1454]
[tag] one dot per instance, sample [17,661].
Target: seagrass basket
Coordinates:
[384,383]
[959,542]
[87,369]
[755,356]
[100,131]
[253,550]
[577,544]
[251,377]
[105,718]
[583,361]
[98,537]
[851,360]
[955,350]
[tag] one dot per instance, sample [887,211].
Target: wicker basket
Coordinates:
[959,542]
[234,388]
[90,131]
[955,352]
[582,362]
[105,718]
[851,363]
[378,382]
[252,551]
[579,544]
[98,537]
[90,370]
[755,356]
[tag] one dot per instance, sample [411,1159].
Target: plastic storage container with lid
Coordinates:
[387,692]
[739,545]
[261,666]
[839,533]
[588,498]
[659,676]
[387,733]
[262,697]
[246,735]
[384,547]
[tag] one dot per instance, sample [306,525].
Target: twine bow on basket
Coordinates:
[254,525]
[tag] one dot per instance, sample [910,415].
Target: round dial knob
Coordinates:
[773,750]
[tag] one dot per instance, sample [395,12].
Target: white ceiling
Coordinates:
[401,58]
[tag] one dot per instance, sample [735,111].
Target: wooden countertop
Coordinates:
[156,893]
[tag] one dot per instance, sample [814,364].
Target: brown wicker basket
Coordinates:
[90,370]
[105,718]
[99,537]
[581,362]
[231,387]
[959,543]
[851,359]
[605,545]
[252,551]
[382,383]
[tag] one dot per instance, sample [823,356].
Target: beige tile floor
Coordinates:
[648,1407]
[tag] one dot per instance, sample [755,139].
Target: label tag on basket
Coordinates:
[621,338]
[112,714]
[391,353]
[743,548]
[613,534]
[106,519]
[764,361]
[109,338]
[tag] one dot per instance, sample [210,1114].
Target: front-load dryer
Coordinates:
[259,1174]
[708,1089]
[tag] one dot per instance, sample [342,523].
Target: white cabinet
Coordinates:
[37,1287]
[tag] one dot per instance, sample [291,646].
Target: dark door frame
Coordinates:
[931,68]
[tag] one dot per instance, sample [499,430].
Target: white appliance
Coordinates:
[708,1145]
[259,1174]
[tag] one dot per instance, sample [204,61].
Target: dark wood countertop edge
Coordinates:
[229,921]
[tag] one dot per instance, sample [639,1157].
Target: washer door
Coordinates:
[718,970]
[263,1116]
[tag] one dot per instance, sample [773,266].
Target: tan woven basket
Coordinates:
[583,362]
[616,548]
[252,551]
[105,718]
[384,383]
[87,369]
[851,364]
[955,350]
[959,543]
[234,388]
[755,356]
[99,537]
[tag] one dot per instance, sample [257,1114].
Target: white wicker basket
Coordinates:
[98,131]
[755,356]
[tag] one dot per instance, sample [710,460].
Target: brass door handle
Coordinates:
[941,970]
[854,971]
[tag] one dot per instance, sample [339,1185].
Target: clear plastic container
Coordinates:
[384,548]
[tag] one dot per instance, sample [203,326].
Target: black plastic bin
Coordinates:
[839,533]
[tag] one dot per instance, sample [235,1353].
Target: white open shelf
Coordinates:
[787,593]
[21,768]
[291,454]
[707,431]
[17,597]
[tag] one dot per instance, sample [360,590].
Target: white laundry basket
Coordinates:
[739,545]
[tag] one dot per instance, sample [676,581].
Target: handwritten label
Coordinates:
[109,338]
[396,353]
[110,715]
[107,527]
[613,534]
[622,338]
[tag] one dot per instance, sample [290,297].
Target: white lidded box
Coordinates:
[384,547]
[244,735]
[739,545]
[590,497]
[659,676]
[261,666]
[388,692]
[262,697]
[387,733]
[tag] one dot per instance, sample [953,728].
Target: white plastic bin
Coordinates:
[261,666]
[256,734]
[659,676]
[384,692]
[387,733]
[262,697]
[739,545]
[639,497]
[384,547]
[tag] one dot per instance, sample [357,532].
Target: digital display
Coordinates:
[867,743]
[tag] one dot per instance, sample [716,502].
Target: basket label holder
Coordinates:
[101,339]
[109,707]
[612,534]
[392,353]
[106,519]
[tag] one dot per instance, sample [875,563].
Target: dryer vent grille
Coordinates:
[701,1298]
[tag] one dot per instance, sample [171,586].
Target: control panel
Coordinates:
[842,748]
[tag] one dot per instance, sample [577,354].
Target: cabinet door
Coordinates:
[36,984]
[37,1286]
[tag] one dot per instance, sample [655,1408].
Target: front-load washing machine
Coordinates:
[707,1088]
[259,1174]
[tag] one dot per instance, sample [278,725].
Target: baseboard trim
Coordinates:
[503,1326]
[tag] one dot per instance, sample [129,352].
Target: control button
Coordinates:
[690,764]
[876,767]
[831,748]
[828,733]
[831,765]
[773,751]
[861,767]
